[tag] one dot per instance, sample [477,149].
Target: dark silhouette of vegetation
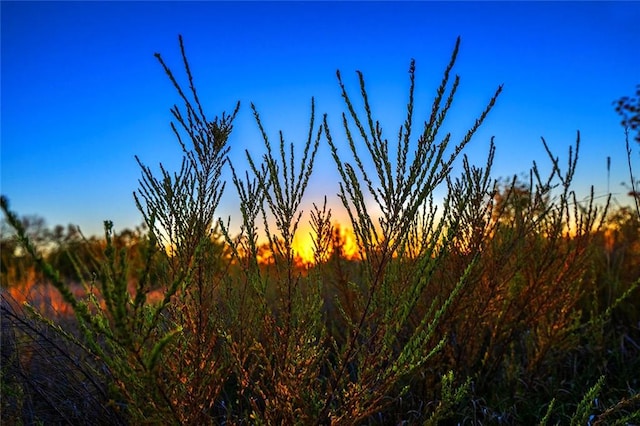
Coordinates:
[511,302]
[629,108]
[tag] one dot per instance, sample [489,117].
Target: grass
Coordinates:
[510,303]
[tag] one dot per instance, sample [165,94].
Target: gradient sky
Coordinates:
[82,92]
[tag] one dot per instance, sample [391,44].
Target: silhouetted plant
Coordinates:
[629,108]
[382,347]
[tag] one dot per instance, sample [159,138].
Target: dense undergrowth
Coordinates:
[511,302]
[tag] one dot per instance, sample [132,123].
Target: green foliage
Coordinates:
[583,412]
[451,397]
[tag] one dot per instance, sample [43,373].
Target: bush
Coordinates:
[490,308]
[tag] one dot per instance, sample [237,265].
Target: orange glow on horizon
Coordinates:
[304,247]
[47,300]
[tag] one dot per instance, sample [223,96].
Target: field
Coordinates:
[511,302]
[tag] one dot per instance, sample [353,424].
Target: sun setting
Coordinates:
[342,240]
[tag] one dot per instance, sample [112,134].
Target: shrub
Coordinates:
[481,310]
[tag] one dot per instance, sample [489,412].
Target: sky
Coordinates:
[82,93]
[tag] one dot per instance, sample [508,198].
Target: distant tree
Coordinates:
[15,267]
[516,201]
[629,109]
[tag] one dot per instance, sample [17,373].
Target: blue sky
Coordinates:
[82,92]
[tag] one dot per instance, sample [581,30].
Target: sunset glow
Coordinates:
[343,237]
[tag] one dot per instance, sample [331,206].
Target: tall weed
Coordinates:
[469,311]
